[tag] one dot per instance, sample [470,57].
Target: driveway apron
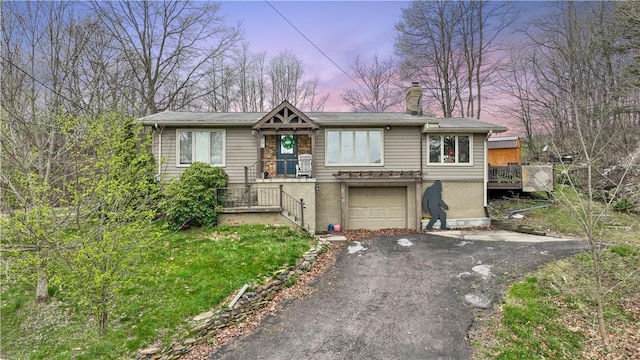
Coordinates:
[396,297]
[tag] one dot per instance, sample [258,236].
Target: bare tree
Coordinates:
[518,82]
[446,45]
[379,88]
[285,73]
[580,63]
[37,58]
[168,44]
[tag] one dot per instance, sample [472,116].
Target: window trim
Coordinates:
[340,131]
[441,162]
[224,145]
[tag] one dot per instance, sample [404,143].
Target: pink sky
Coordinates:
[342,30]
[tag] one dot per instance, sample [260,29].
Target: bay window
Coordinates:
[354,147]
[449,149]
[205,146]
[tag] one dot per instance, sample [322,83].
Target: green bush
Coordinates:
[192,201]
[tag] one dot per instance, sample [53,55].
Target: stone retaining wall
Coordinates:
[206,325]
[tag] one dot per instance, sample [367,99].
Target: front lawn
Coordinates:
[184,274]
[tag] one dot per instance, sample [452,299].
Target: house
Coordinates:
[359,170]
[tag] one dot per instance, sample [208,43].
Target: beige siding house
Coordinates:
[315,169]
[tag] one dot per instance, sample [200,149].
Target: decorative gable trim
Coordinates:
[285,116]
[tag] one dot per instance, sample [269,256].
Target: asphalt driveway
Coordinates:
[396,297]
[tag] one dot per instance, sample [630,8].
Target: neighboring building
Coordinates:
[505,150]
[506,171]
[366,170]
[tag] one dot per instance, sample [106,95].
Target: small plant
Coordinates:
[291,281]
[623,205]
[564,178]
[192,200]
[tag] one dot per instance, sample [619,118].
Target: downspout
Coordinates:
[157,177]
[419,185]
[421,151]
[486,173]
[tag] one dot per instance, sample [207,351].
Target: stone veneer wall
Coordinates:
[270,149]
[206,325]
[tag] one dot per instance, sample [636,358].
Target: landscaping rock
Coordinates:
[207,324]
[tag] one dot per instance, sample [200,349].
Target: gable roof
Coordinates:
[285,115]
[324,119]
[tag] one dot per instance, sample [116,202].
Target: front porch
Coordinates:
[281,201]
[285,140]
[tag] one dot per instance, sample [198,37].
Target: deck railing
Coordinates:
[505,174]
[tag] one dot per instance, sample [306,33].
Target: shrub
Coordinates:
[623,205]
[564,178]
[192,201]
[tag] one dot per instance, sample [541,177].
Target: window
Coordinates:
[354,147]
[449,149]
[205,146]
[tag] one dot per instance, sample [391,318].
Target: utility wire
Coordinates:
[314,45]
[40,82]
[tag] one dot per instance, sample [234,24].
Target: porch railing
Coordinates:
[247,196]
[278,168]
[292,207]
[251,196]
[250,174]
[270,169]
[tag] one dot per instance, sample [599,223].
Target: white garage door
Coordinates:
[377,207]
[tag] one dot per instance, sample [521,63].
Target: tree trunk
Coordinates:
[103,321]
[42,287]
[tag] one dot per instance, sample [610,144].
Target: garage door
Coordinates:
[377,208]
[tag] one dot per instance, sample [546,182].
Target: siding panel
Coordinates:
[401,152]
[457,172]
[240,151]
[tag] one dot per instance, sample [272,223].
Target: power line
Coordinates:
[314,45]
[40,82]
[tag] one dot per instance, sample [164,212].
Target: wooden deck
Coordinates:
[505,177]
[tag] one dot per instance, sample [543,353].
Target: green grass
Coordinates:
[616,227]
[528,325]
[551,313]
[182,275]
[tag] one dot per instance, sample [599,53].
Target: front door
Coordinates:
[287,154]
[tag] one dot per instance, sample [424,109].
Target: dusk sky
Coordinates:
[341,29]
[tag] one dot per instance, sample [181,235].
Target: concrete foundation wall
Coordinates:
[465,198]
[327,205]
[302,188]
[272,218]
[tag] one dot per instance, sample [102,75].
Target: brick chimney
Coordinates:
[414,99]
